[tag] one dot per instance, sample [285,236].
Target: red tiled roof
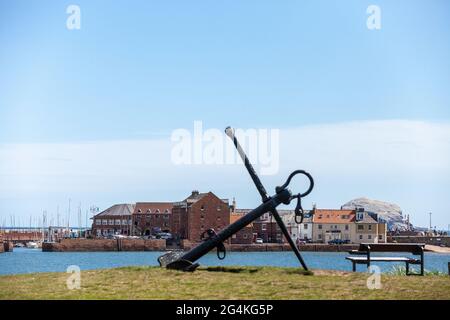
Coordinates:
[153,207]
[236,216]
[334,216]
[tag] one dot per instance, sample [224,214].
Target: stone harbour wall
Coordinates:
[435,241]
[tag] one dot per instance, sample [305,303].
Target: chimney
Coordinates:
[195,193]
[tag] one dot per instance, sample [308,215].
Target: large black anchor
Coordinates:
[186,260]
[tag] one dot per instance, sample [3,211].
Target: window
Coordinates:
[360,237]
[219,208]
[202,208]
[360,227]
[305,226]
[149,211]
[319,226]
[111,222]
[320,237]
[117,222]
[346,227]
[380,237]
[167,211]
[370,227]
[369,237]
[124,222]
[263,226]
[245,236]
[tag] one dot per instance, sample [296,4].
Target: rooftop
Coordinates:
[335,216]
[118,210]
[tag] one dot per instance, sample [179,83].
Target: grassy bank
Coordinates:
[229,283]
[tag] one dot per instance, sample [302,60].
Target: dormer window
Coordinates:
[167,211]
[139,211]
[149,211]
[157,211]
[202,208]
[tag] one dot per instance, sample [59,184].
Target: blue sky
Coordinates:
[137,70]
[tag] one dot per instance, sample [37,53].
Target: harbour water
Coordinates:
[34,260]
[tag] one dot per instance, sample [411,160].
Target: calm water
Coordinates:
[33,260]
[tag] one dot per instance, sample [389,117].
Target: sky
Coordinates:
[88,114]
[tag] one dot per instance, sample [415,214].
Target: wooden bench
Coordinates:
[366,249]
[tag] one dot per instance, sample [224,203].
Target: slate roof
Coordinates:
[124,209]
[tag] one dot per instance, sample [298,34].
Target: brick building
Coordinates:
[198,213]
[114,220]
[245,235]
[152,217]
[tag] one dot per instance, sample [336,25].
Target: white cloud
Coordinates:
[357,148]
[388,147]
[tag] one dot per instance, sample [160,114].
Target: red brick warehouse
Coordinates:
[198,213]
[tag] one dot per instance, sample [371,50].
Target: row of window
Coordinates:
[203,208]
[112,222]
[361,227]
[150,217]
[361,237]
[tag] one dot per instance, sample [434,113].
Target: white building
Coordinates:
[297,231]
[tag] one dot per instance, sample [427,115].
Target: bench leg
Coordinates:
[354,266]
[407,268]
[422,263]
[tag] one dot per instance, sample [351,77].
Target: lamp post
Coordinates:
[431,228]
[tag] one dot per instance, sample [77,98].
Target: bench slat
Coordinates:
[415,248]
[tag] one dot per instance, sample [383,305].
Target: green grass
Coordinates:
[222,283]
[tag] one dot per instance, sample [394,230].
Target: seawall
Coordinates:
[94,245]
[435,241]
[86,245]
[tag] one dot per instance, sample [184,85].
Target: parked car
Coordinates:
[164,235]
[337,241]
[259,241]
